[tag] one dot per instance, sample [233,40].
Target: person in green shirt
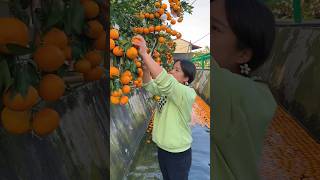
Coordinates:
[242,33]
[171,130]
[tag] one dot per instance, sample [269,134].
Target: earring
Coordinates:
[186,83]
[245,69]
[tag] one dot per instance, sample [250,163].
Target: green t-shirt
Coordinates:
[171,127]
[242,110]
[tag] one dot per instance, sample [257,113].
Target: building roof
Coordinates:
[193,45]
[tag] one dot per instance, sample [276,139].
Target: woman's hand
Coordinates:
[140,42]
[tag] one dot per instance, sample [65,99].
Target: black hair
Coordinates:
[188,68]
[254,26]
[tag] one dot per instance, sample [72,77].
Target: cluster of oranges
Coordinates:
[149,129]
[120,96]
[163,14]
[157,26]
[53,50]
[50,55]
[89,63]
[175,6]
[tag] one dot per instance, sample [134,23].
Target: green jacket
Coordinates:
[171,127]
[242,111]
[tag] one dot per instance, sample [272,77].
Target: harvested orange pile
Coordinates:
[201,112]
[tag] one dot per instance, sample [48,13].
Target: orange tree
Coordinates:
[152,19]
[39,43]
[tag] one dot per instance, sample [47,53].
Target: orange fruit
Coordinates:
[94,74]
[114,100]
[51,87]
[168,30]
[174,32]
[83,66]
[151,29]
[163,27]
[140,30]
[132,53]
[173,21]
[117,93]
[16,122]
[100,43]
[55,37]
[169,18]
[45,121]
[157,4]
[151,16]
[156,53]
[49,58]
[125,79]
[176,7]
[161,40]
[158,28]
[135,40]
[136,82]
[114,34]
[13,31]
[146,30]
[118,51]
[146,15]
[114,72]
[91,9]
[94,57]
[112,44]
[178,35]
[126,73]
[180,19]
[20,103]
[124,100]
[140,72]
[138,64]
[164,6]
[135,29]
[142,16]
[67,52]
[161,11]
[95,29]
[126,89]
[157,15]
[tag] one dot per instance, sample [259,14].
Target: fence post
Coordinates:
[297,14]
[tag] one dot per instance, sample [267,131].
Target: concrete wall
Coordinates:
[127,128]
[77,150]
[201,84]
[293,72]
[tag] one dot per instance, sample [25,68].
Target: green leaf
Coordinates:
[62,70]
[5,76]
[55,16]
[78,19]
[19,50]
[76,52]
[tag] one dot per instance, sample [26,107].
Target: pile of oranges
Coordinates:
[202,112]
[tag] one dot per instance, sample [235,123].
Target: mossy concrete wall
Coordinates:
[77,150]
[201,84]
[293,72]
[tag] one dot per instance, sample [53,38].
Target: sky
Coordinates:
[197,25]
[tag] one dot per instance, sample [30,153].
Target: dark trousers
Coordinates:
[174,166]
